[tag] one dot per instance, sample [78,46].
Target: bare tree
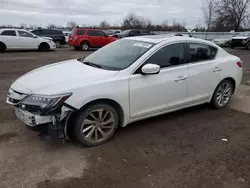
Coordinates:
[132,21]
[233,12]
[23,25]
[104,25]
[209,12]
[71,24]
[51,26]
[165,25]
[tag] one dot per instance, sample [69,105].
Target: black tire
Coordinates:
[77,48]
[85,46]
[44,47]
[58,44]
[214,102]
[232,46]
[248,46]
[85,116]
[2,47]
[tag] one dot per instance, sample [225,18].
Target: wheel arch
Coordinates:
[226,78]
[2,43]
[43,43]
[113,103]
[83,41]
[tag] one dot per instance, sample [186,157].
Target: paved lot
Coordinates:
[181,149]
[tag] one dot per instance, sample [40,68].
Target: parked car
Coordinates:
[128,80]
[224,41]
[184,35]
[66,34]
[135,32]
[84,38]
[19,39]
[57,35]
[241,40]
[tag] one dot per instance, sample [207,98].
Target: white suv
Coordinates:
[19,39]
[126,81]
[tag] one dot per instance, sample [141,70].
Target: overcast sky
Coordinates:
[43,12]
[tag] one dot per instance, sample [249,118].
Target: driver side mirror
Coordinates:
[150,69]
[35,36]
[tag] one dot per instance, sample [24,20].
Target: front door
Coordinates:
[94,38]
[155,94]
[27,40]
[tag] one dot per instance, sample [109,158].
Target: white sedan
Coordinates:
[126,81]
[19,39]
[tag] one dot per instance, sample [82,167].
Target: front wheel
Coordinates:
[222,94]
[44,47]
[248,46]
[58,44]
[96,124]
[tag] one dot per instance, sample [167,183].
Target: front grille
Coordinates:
[34,109]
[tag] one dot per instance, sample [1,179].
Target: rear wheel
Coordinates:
[222,94]
[58,44]
[85,46]
[2,47]
[96,124]
[44,47]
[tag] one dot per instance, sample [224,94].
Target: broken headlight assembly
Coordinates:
[45,103]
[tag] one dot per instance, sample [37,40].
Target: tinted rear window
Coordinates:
[9,33]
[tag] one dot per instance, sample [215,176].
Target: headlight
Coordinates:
[46,102]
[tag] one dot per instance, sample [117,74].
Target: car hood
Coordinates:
[59,77]
[241,37]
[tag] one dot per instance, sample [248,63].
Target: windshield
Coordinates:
[119,54]
[244,34]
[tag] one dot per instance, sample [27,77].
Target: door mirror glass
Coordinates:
[150,69]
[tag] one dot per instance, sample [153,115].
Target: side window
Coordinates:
[170,55]
[134,33]
[80,32]
[93,33]
[101,33]
[9,33]
[201,52]
[25,34]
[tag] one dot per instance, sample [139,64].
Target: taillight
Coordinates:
[239,64]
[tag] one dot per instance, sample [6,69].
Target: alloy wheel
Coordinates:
[98,125]
[85,46]
[223,94]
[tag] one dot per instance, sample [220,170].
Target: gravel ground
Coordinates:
[181,149]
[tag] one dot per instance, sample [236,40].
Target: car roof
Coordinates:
[12,29]
[160,38]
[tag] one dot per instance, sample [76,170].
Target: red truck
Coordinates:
[83,38]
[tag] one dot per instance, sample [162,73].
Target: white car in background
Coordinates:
[66,34]
[128,80]
[19,39]
[223,41]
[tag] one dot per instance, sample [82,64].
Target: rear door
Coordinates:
[10,38]
[26,40]
[94,38]
[204,71]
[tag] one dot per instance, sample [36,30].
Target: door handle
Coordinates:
[180,78]
[217,69]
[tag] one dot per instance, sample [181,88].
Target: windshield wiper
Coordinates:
[92,64]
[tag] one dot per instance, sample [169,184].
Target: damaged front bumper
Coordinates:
[49,126]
